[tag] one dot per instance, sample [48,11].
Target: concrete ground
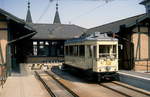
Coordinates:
[23,84]
[137,79]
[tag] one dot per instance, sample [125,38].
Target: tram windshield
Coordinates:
[107,51]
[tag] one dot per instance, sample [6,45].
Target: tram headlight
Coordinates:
[99,70]
[108,68]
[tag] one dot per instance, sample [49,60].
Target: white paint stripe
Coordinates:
[135,76]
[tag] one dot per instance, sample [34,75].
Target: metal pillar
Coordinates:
[8,59]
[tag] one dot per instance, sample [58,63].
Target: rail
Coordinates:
[49,89]
[142,92]
[69,90]
[113,84]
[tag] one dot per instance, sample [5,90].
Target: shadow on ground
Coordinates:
[75,76]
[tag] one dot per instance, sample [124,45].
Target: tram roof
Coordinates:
[97,36]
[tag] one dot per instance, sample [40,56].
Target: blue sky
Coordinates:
[85,13]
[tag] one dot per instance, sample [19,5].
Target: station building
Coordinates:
[15,42]
[27,42]
[48,43]
[134,39]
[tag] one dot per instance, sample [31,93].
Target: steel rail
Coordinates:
[124,94]
[45,85]
[142,92]
[65,87]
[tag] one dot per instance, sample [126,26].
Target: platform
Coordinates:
[23,84]
[137,79]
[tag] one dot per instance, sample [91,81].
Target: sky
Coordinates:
[85,13]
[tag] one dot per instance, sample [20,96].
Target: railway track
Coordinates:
[57,87]
[54,86]
[125,90]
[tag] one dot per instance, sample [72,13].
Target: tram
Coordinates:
[97,53]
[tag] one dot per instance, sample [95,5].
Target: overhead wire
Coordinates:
[77,17]
[45,11]
[92,10]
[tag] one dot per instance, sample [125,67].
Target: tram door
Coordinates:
[90,55]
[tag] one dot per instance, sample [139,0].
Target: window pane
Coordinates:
[46,43]
[66,50]
[114,48]
[71,50]
[34,43]
[107,51]
[104,50]
[41,42]
[75,50]
[94,51]
[89,49]
[35,50]
[81,50]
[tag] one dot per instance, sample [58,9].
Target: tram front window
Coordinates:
[107,51]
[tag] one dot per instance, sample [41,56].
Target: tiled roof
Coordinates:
[114,27]
[57,31]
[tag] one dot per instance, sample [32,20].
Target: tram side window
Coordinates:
[66,50]
[75,50]
[81,50]
[71,50]
[94,51]
[89,49]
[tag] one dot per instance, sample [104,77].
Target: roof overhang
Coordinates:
[138,20]
[22,37]
[15,19]
[21,22]
[144,2]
